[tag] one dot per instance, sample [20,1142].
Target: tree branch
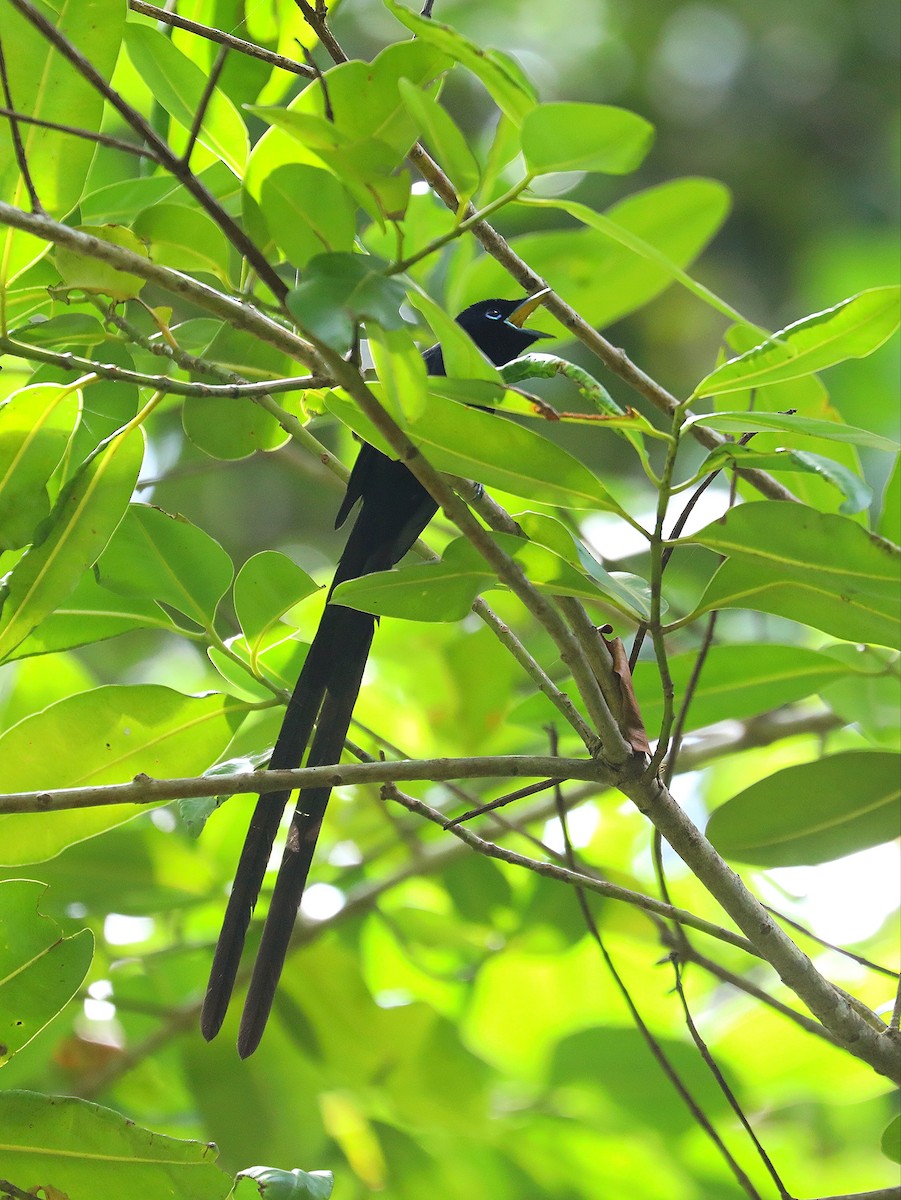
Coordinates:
[251,49]
[164,155]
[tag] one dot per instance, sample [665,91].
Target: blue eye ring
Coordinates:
[494,314]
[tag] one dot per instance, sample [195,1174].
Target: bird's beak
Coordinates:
[521,314]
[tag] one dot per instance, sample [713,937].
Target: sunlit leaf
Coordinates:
[506,84]
[89,1150]
[852,329]
[178,85]
[40,969]
[94,275]
[108,735]
[45,85]
[834,431]
[738,682]
[677,219]
[858,495]
[817,568]
[490,449]
[444,138]
[584,137]
[184,238]
[268,585]
[156,556]
[307,210]
[79,526]
[35,426]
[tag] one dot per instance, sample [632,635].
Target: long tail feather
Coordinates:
[287,754]
[328,742]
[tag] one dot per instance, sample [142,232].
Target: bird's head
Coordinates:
[496,326]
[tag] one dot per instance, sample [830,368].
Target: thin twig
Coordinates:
[657,1051]
[10,113]
[102,139]
[162,151]
[508,798]
[858,958]
[327,110]
[552,871]
[722,1083]
[162,383]
[205,99]
[223,39]
[741,984]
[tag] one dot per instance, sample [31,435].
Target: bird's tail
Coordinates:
[327,687]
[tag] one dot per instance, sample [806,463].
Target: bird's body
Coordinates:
[394,510]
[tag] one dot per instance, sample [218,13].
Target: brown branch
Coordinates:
[251,49]
[206,96]
[161,149]
[102,139]
[19,149]
[144,790]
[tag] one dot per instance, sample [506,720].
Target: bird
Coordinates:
[394,508]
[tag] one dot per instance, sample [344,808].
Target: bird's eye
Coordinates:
[494,314]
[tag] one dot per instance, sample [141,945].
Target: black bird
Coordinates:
[394,511]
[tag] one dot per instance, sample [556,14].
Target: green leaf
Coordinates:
[66,329]
[737,682]
[156,556]
[93,275]
[267,586]
[107,735]
[677,219]
[178,85]
[867,694]
[184,238]
[92,1151]
[890,517]
[370,135]
[891,1139]
[619,233]
[89,614]
[858,495]
[307,211]
[40,970]
[490,449]
[401,372]
[36,424]
[341,290]
[627,593]
[45,85]
[817,568]
[461,356]
[833,431]
[273,1184]
[235,429]
[813,812]
[445,140]
[505,83]
[442,591]
[445,591]
[71,540]
[852,329]
[584,137]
